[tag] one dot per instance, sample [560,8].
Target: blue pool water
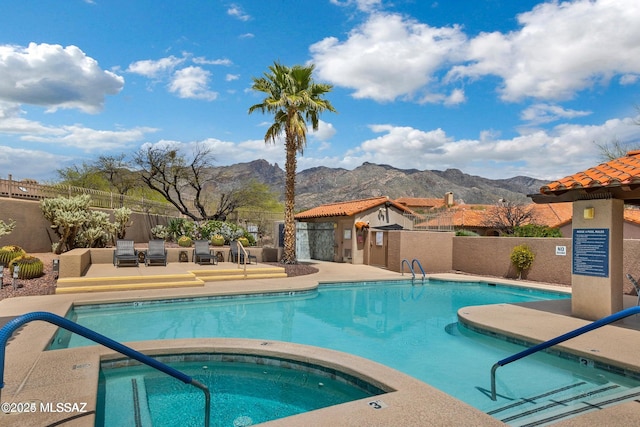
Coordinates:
[408,327]
[244,393]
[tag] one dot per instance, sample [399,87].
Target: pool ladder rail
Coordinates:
[411,268]
[10,327]
[559,339]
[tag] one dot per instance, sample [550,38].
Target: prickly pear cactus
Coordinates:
[30,267]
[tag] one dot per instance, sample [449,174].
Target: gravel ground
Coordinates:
[45,285]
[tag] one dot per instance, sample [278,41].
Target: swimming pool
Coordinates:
[411,328]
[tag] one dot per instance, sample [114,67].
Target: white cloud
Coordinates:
[192,82]
[363,5]
[561,151]
[546,113]
[325,131]
[203,61]
[19,161]
[232,77]
[562,48]
[54,77]
[236,11]
[155,68]
[387,57]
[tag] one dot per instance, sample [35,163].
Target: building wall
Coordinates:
[434,250]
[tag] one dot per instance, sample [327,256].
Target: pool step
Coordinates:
[189,279]
[130,395]
[101,284]
[239,273]
[563,403]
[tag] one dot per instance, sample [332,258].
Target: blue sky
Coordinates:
[495,88]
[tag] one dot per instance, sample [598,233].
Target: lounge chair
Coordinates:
[635,285]
[235,252]
[125,252]
[156,254]
[202,253]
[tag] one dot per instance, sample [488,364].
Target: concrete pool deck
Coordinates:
[32,374]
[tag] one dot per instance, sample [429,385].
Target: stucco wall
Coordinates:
[434,250]
[33,233]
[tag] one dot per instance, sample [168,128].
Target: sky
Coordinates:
[495,88]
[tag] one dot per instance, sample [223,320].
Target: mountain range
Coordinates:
[321,185]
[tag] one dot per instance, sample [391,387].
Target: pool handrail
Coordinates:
[415,260]
[406,261]
[10,327]
[557,340]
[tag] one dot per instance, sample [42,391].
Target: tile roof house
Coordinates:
[339,231]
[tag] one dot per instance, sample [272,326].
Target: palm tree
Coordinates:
[294,98]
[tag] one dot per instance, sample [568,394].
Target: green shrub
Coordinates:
[8,253]
[30,267]
[185,241]
[522,258]
[533,230]
[466,233]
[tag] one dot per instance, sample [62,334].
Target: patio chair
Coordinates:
[156,254]
[234,253]
[202,253]
[125,252]
[635,285]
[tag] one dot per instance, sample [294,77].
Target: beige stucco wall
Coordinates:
[434,250]
[33,233]
[490,256]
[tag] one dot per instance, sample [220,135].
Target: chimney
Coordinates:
[448,199]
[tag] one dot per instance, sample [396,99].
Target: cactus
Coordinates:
[185,241]
[217,240]
[7,253]
[30,267]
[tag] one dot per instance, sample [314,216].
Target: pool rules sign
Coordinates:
[591,252]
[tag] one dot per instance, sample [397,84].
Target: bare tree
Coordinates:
[185,182]
[505,216]
[117,172]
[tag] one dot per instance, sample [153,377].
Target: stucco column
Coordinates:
[597,244]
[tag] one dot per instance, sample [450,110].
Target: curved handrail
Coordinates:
[415,260]
[406,261]
[10,327]
[557,340]
[245,256]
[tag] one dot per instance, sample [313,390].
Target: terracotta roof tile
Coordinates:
[614,173]
[349,208]
[420,202]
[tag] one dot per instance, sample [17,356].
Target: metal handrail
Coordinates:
[10,327]
[245,257]
[406,261]
[415,260]
[557,340]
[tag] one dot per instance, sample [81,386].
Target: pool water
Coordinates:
[411,328]
[242,393]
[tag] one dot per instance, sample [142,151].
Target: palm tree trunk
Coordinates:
[289,255]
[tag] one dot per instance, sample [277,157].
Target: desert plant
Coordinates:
[185,241]
[244,241]
[217,240]
[6,228]
[122,217]
[30,267]
[160,232]
[8,253]
[67,217]
[522,258]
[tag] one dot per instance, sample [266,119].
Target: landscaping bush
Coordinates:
[522,258]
